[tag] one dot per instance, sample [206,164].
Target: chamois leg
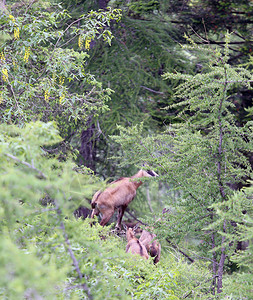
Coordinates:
[95,212]
[106,217]
[122,209]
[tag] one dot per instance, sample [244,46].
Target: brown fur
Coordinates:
[134,246]
[153,246]
[117,195]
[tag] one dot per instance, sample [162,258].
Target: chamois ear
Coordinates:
[135,227]
[125,227]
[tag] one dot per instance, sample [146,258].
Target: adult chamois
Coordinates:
[118,195]
[134,245]
[153,246]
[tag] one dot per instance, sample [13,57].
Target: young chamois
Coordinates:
[153,246]
[134,245]
[118,195]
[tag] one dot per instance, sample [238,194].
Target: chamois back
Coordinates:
[134,246]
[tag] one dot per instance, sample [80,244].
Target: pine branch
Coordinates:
[208,42]
[166,172]
[221,133]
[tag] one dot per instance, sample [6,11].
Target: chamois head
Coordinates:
[130,232]
[148,172]
[145,173]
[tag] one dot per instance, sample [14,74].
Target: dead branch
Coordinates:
[41,174]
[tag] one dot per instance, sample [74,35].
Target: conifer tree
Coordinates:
[239,210]
[202,156]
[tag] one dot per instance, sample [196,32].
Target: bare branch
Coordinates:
[180,251]
[72,255]
[153,91]
[41,174]
[127,210]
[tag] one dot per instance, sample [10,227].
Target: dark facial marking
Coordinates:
[141,250]
[150,173]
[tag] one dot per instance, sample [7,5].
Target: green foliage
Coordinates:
[153,287]
[46,252]
[142,7]
[140,53]
[38,67]
[143,48]
[25,163]
[23,274]
[27,175]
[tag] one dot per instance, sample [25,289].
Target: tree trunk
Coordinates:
[221,185]
[222,261]
[214,265]
[87,150]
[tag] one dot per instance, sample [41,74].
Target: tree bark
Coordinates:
[87,150]
[221,185]
[222,261]
[214,264]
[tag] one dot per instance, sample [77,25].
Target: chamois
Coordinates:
[118,195]
[135,246]
[153,246]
